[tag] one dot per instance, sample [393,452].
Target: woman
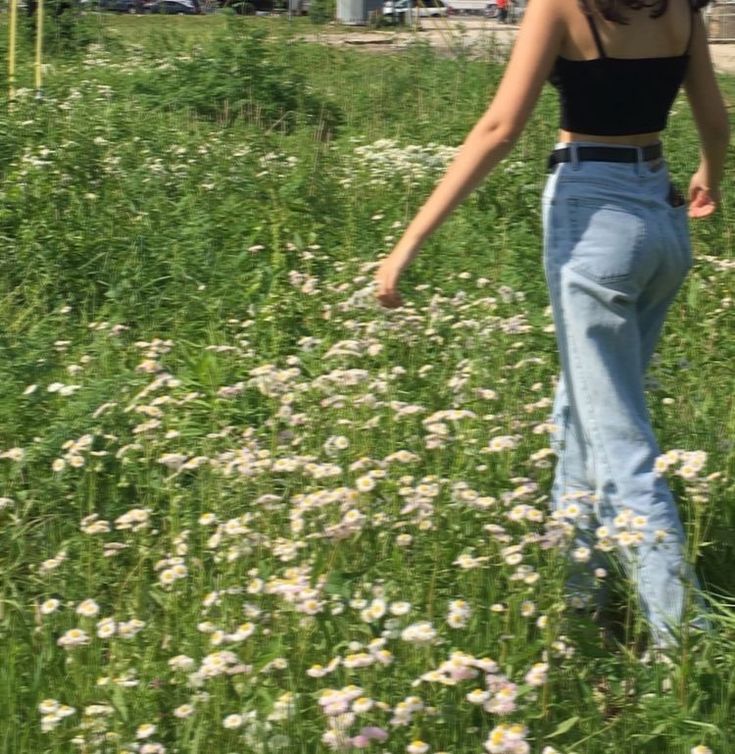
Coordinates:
[616,249]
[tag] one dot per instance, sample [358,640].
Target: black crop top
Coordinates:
[617,96]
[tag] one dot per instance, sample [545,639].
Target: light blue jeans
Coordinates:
[615,254]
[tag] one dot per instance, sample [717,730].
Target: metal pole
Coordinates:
[11,48]
[39,47]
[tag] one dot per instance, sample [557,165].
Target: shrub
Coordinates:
[242,76]
[322,11]
[65,28]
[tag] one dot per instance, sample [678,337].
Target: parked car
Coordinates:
[183,7]
[249,7]
[424,8]
[120,6]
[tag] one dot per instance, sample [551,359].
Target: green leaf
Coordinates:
[118,702]
[649,736]
[564,727]
[703,724]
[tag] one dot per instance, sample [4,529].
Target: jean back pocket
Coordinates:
[606,239]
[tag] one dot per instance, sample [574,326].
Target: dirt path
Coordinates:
[476,34]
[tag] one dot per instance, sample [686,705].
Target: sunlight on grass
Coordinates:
[244,509]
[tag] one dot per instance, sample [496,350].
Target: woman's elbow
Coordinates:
[724,129]
[501,132]
[713,122]
[716,133]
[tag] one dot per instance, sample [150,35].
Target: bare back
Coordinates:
[642,37]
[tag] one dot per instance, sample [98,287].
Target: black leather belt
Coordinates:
[606,154]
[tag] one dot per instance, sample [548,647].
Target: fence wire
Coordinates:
[720,17]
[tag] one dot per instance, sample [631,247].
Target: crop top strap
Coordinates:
[595,32]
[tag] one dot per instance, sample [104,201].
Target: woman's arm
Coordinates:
[712,122]
[535,50]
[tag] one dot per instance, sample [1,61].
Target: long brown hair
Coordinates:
[612,10]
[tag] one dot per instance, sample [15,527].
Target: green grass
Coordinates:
[147,29]
[187,334]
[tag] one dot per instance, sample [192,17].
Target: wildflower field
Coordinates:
[244,510]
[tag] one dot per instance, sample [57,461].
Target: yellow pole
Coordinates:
[11,47]
[39,45]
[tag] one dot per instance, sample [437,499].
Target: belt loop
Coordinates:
[639,163]
[574,156]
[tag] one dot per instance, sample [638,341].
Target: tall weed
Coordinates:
[239,75]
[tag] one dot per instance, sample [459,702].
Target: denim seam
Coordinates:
[684,238]
[562,441]
[573,356]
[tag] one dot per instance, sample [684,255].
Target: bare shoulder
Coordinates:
[549,10]
[536,48]
[543,20]
[551,19]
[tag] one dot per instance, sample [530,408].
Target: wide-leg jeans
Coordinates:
[616,251]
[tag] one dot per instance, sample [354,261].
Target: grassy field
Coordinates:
[243,509]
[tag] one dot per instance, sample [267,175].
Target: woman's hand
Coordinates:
[389,273]
[703,200]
